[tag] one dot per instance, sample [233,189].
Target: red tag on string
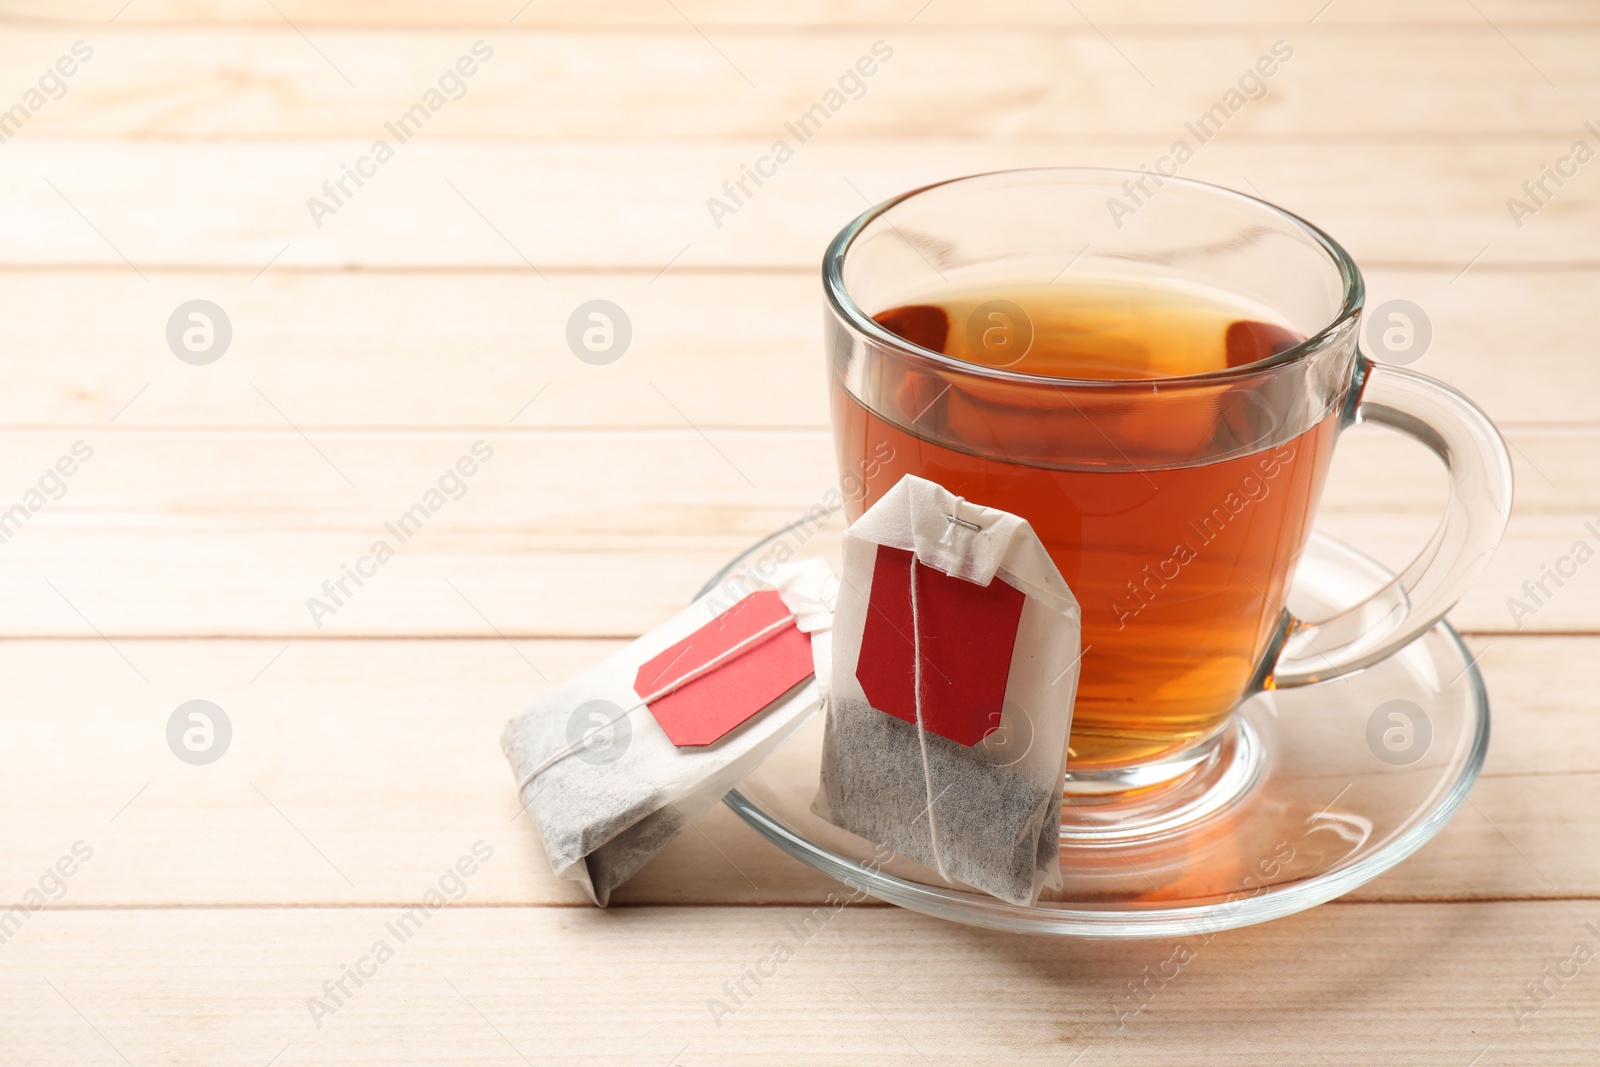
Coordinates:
[967,632]
[706,708]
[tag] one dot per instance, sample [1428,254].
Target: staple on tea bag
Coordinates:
[603,810]
[955,651]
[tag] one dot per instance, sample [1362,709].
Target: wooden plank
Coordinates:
[374,350]
[671,82]
[832,13]
[531,208]
[671,486]
[872,985]
[173,582]
[180,533]
[358,769]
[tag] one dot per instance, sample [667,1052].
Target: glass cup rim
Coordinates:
[845,306]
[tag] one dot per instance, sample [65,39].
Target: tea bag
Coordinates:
[614,763]
[955,667]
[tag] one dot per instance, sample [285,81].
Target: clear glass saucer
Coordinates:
[1319,790]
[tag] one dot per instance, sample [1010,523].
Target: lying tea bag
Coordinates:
[614,763]
[955,666]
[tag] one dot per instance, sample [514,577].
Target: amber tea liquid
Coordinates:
[1180,568]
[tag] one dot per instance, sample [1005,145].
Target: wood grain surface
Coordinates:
[211,909]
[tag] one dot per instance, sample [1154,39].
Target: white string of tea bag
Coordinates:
[922,730]
[678,683]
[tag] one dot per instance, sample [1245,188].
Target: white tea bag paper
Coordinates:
[955,667]
[614,763]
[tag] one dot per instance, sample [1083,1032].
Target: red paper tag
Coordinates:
[967,635]
[703,710]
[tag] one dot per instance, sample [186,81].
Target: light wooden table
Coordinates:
[374,343]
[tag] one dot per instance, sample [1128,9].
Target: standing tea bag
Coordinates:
[955,665]
[614,763]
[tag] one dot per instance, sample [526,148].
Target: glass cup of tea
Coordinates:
[1153,372]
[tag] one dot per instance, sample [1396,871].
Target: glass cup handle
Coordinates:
[1479,468]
